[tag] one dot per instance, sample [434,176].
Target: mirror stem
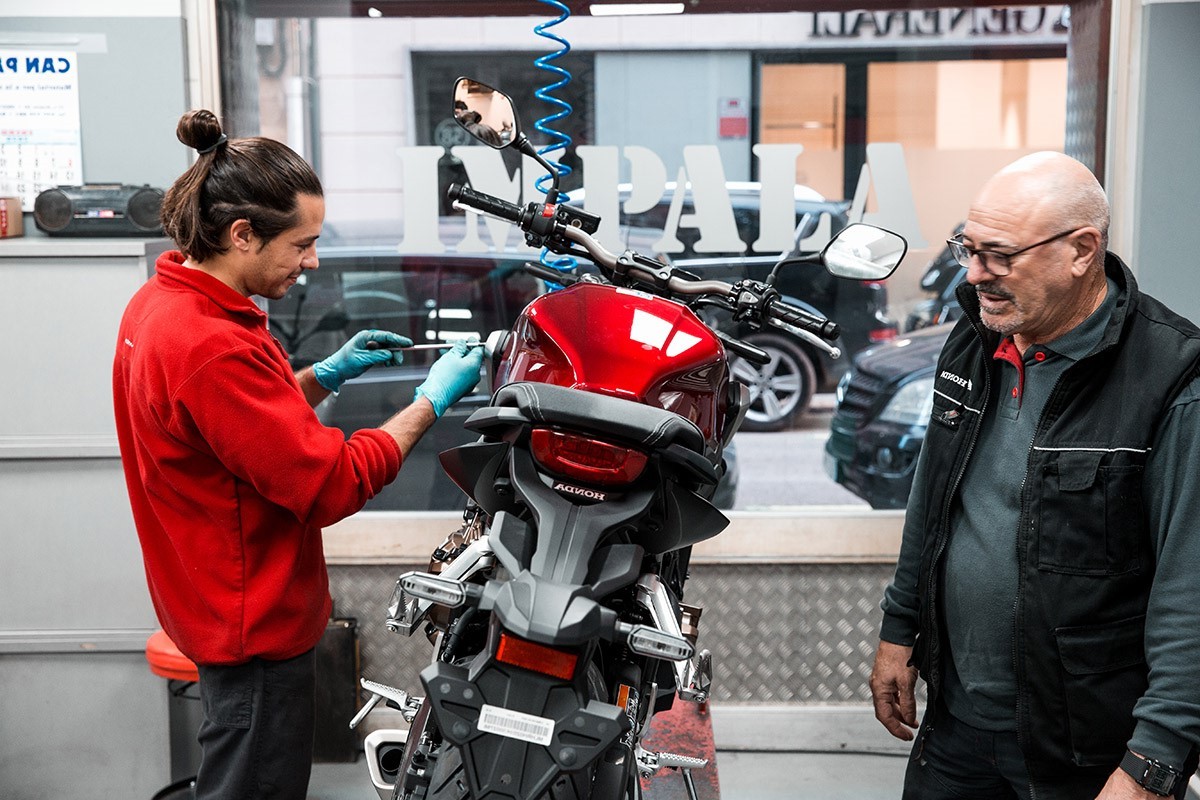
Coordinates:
[811,258]
[526,147]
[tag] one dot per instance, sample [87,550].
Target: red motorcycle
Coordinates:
[556,610]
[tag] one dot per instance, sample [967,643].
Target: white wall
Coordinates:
[80,712]
[1167,193]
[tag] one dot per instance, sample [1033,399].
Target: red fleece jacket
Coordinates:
[230,474]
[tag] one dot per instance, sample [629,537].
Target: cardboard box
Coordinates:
[10,217]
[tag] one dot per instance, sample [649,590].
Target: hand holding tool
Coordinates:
[452,376]
[365,349]
[435,346]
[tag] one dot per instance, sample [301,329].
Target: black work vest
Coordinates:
[1085,554]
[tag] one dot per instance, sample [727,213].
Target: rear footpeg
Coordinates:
[676,761]
[649,762]
[398,699]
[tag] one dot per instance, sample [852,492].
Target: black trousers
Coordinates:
[257,735]
[952,760]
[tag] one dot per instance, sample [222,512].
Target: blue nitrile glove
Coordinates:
[353,358]
[451,376]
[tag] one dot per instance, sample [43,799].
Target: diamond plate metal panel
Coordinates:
[788,633]
[363,592]
[794,633]
[1087,82]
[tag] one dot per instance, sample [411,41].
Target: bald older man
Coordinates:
[1048,586]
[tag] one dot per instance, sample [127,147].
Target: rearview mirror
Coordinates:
[864,252]
[486,113]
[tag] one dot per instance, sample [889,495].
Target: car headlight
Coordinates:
[912,404]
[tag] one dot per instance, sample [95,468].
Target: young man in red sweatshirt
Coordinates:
[230,474]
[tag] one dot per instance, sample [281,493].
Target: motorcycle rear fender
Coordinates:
[609,568]
[550,613]
[568,532]
[502,767]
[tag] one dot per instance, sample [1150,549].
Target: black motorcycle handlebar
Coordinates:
[825,328]
[494,206]
[484,203]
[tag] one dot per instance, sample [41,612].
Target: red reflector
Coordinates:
[536,657]
[882,335]
[586,460]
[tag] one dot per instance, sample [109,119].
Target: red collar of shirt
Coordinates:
[170,268]
[1007,351]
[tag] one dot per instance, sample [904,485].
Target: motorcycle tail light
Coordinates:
[536,657]
[881,335]
[588,460]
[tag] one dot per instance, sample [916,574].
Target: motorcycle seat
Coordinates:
[652,428]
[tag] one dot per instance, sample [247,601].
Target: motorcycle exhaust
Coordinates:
[385,755]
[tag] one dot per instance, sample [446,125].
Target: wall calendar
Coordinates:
[40,140]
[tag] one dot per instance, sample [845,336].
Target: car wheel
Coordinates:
[781,389]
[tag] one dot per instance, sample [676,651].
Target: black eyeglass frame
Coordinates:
[962,254]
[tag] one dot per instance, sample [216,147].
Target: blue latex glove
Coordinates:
[353,358]
[451,377]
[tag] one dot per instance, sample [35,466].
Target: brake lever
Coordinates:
[811,338]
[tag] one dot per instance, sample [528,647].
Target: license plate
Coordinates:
[515,725]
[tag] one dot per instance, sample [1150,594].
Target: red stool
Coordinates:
[180,671]
[167,662]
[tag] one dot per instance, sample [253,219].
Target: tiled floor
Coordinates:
[743,776]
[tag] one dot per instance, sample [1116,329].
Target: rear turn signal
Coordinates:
[587,460]
[536,657]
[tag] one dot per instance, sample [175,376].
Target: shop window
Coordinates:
[952,93]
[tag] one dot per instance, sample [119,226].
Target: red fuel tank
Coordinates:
[623,343]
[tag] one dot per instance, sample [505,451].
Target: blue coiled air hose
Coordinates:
[557,140]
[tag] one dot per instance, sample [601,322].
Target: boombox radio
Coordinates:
[99,209]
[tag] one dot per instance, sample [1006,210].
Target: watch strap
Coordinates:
[1153,776]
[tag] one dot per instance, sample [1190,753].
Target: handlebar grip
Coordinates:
[484,202]
[826,329]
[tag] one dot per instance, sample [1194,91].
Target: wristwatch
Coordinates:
[1152,775]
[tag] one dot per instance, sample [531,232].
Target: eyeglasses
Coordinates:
[999,264]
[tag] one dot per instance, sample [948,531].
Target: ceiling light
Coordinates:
[632,9]
[374,12]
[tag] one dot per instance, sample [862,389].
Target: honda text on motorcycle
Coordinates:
[556,610]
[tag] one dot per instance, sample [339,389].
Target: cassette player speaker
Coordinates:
[99,209]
